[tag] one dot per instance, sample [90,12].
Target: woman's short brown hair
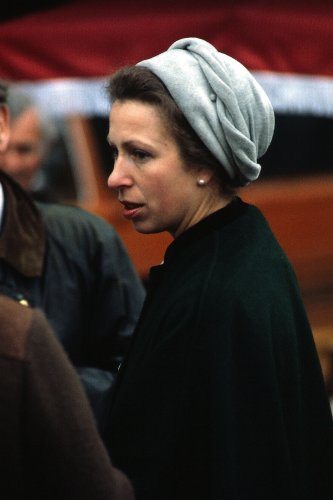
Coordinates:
[140,84]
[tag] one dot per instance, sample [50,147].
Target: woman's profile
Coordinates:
[221,395]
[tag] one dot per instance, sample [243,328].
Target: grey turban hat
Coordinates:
[221,100]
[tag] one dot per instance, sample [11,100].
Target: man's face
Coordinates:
[24,153]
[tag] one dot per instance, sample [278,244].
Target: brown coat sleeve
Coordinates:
[58,453]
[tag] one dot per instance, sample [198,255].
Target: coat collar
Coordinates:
[210,223]
[189,239]
[22,237]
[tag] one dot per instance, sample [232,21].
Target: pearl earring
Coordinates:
[201,182]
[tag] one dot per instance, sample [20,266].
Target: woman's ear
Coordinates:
[4,127]
[204,176]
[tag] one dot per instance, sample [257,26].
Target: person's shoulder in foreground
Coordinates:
[50,447]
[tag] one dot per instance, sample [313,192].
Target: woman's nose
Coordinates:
[113,180]
[118,177]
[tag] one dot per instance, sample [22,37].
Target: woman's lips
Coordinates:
[131,209]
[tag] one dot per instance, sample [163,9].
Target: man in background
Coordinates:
[50,446]
[74,266]
[32,135]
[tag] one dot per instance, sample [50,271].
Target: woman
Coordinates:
[221,396]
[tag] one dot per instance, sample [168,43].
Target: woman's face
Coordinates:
[156,189]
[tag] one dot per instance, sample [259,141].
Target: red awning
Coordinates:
[87,39]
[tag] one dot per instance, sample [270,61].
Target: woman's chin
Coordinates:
[146,228]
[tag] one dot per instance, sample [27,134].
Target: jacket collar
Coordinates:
[189,239]
[22,237]
[207,225]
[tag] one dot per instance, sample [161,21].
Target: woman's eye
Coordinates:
[140,155]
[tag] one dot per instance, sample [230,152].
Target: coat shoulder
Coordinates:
[15,320]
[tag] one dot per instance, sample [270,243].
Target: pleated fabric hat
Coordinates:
[222,101]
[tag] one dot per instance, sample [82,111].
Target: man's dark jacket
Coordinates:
[73,266]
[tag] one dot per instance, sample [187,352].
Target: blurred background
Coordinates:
[61,53]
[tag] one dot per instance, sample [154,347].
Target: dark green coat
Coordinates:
[222,396]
